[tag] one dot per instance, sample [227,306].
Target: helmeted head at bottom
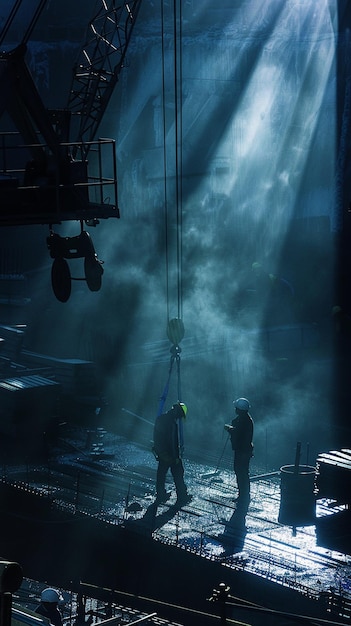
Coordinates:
[181,409]
[242,404]
[51,596]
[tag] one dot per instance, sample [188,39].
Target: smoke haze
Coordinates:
[252,182]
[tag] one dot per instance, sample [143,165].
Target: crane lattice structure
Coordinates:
[100,62]
[54,181]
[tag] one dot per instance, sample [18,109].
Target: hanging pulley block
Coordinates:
[61,279]
[93,272]
[175,330]
[62,248]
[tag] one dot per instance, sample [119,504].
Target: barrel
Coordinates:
[297,495]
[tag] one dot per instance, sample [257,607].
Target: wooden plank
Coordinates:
[333,460]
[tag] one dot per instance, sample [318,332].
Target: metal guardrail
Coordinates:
[59,187]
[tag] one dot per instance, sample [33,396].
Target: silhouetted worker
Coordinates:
[241,435]
[168,449]
[48,607]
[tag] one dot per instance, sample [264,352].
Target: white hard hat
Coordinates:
[50,595]
[242,404]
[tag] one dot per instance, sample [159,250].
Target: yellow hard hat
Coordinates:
[184,407]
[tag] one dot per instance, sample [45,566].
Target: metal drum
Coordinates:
[297,495]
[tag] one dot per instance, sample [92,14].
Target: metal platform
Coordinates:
[95,497]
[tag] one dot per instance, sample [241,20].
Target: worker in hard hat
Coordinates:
[168,446]
[241,436]
[49,600]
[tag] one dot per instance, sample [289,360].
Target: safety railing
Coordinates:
[39,186]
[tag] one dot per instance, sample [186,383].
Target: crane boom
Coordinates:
[53,180]
[99,65]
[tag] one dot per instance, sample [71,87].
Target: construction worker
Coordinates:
[168,451]
[48,607]
[241,435]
